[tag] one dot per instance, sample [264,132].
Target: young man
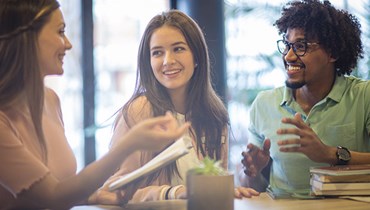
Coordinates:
[322,115]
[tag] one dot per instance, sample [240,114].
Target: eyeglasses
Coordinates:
[299,47]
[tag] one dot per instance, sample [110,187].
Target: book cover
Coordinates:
[340,186]
[344,178]
[318,192]
[178,149]
[341,170]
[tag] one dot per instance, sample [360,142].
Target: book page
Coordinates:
[178,149]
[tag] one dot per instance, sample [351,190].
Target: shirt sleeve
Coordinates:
[253,135]
[367,107]
[19,169]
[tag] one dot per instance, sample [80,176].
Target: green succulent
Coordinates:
[210,167]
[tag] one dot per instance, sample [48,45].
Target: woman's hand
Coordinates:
[245,192]
[154,133]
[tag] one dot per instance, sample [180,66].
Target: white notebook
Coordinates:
[178,149]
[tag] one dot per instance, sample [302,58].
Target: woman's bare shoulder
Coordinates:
[139,110]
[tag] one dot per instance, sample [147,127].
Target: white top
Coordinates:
[186,162]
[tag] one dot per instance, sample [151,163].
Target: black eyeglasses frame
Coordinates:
[289,45]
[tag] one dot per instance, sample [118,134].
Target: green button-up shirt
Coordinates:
[342,118]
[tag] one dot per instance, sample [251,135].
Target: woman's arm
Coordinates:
[138,111]
[151,134]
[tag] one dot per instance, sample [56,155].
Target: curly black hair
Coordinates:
[337,31]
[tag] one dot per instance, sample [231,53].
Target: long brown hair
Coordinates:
[20,77]
[205,110]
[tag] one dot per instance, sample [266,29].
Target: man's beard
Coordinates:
[294,85]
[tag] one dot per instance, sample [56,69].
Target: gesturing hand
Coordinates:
[255,159]
[155,133]
[307,142]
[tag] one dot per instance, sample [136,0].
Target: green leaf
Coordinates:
[210,167]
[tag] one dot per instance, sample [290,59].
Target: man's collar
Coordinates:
[335,93]
[338,89]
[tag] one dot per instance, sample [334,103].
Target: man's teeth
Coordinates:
[294,68]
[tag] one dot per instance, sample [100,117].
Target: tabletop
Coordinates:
[260,202]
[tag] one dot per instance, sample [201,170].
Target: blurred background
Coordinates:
[100,69]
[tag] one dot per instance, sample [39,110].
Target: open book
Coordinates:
[178,149]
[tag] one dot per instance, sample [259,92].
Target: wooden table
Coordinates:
[261,202]
[265,202]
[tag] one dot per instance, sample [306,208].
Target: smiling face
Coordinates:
[53,43]
[171,59]
[314,68]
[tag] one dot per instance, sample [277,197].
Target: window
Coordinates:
[118,28]
[69,86]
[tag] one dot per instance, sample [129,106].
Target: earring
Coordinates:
[195,65]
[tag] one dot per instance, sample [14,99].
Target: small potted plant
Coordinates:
[210,187]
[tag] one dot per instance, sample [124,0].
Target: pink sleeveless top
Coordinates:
[21,163]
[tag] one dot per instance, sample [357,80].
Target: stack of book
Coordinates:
[340,180]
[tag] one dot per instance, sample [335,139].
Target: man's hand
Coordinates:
[307,142]
[255,159]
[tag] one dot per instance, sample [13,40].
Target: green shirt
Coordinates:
[342,118]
